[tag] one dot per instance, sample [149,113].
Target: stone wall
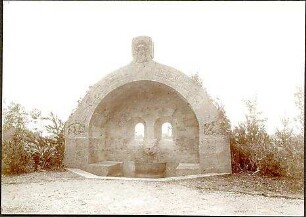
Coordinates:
[215,155]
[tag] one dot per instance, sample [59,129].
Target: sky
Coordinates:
[53,51]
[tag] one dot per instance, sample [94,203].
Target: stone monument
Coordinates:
[101,135]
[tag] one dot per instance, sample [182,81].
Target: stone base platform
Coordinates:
[184,169]
[88,175]
[106,168]
[140,169]
[150,170]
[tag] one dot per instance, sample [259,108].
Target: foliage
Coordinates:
[47,152]
[25,149]
[196,79]
[299,102]
[14,117]
[285,135]
[15,159]
[247,139]
[222,120]
[253,150]
[290,150]
[252,130]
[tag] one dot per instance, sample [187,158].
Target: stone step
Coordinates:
[184,169]
[106,168]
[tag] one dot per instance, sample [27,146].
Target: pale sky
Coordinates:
[53,51]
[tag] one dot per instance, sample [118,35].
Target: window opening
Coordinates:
[167,130]
[139,131]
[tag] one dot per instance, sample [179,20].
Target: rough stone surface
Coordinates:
[102,127]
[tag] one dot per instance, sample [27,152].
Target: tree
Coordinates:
[299,102]
[15,159]
[14,117]
[24,147]
[253,129]
[223,121]
[284,135]
[249,141]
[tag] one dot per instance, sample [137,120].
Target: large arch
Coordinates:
[147,102]
[194,94]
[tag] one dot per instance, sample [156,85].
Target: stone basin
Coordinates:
[150,170]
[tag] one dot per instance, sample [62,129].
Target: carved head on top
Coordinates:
[142,48]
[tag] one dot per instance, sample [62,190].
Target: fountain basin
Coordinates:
[152,170]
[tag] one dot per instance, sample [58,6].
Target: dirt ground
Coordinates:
[69,193]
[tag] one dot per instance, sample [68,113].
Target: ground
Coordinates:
[69,193]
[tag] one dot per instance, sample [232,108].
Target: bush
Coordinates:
[257,158]
[269,159]
[253,150]
[26,150]
[246,140]
[291,158]
[15,159]
[46,153]
[241,159]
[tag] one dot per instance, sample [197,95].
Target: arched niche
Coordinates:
[152,104]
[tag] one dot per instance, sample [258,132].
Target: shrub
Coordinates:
[15,159]
[253,150]
[291,158]
[57,140]
[248,140]
[47,151]
[270,159]
[258,158]
[25,150]
[241,159]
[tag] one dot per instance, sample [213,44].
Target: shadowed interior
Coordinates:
[112,128]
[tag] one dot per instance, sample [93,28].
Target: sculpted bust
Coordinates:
[142,48]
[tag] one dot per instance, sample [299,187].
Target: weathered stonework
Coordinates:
[142,48]
[102,127]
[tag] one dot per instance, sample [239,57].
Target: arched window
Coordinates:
[167,130]
[139,131]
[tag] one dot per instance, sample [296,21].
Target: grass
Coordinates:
[248,183]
